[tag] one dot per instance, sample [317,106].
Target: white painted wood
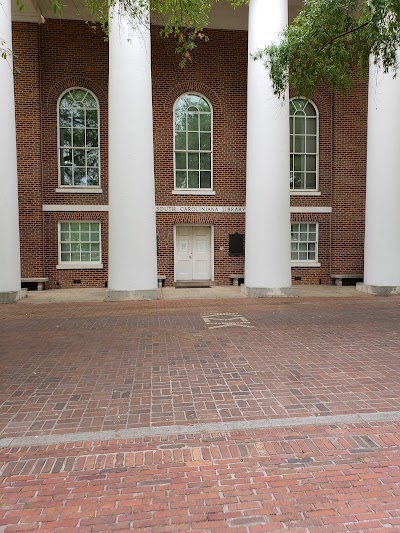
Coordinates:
[193,253]
[132,220]
[10,269]
[382,224]
[267,263]
[201,252]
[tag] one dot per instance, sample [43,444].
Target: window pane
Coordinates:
[180,160]
[193,180]
[193,161]
[181,180]
[95,256]
[300,144]
[298,162]
[311,144]
[66,157]
[193,122]
[85,256]
[65,118]
[180,120]
[94,226]
[95,247]
[91,118]
[79,158]
[78,94]
[205,122]
[311,256]
[303,256]
[66,175]
[79,137]
[92,158]
[180,141]
[298,180]
[310,110]
[78,118]
[91,138]
[311,180]
[65,137]
[205,161]
[299,125]
[205,141]
[79,176]
[205,180]
[85,246]
[67,100]
[93,176]
[75,256]
[312,126]
[90,101]
[311,162]
[65,256]
[193,141]
[202,104]
[74,237]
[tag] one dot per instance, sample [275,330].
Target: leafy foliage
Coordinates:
[329,39]
[183,20]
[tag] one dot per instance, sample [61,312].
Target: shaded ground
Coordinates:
[69,368]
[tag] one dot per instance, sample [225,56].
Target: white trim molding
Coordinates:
[304,264]
[79,190]
[193,192]
[74,208]
[302,209]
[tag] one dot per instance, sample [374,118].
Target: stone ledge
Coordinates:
[11,297]
[264,292]
[379,290]
[121,296]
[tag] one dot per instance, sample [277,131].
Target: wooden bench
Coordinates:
[235,279]
[161,280]
[40,282]
[338,278]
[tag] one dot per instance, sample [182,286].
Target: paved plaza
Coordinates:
[206,415]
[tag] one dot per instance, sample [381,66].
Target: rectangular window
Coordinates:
[304,242]
[79,242]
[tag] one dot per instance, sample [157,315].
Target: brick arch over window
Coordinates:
[75,81]
[193,87]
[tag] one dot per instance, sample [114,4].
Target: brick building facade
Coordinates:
[54,58]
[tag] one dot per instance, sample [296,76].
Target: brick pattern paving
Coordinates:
[88,367]
[328,479]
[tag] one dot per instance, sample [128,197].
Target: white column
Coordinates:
[10,270]
[132,218]
[382,223]
[267,264]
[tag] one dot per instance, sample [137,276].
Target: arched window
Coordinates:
[78,122]
[193,142]
[303,145]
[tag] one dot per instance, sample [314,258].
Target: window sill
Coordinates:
[302,264]
[193,192]
[305,193]
[79,266]
[79,190]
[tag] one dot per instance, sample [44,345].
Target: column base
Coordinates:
[379,290]
[11,297]
[281,292]
[121,296]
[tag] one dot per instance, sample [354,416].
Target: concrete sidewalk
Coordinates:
[220,414]
[170,293]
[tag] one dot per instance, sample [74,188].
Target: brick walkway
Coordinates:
[329,367]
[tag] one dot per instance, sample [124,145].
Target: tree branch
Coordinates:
[337,37]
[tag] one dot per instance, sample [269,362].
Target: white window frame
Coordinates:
[188,191]
[309,192]
[308,262]
[76,188]
[77,265]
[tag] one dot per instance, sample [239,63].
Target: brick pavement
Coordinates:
[150,365]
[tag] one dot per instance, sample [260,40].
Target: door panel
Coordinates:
[193,253]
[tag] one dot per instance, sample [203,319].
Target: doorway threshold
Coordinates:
[197,284]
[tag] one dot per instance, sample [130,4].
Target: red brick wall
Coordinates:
[70,54]
[28,121]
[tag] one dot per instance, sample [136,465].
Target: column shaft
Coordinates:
[382,237]
[132,222]
[267,264]
[10,269]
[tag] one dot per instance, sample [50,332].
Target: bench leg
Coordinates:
[160,284]
[236,282]
[40,286]
[338,282]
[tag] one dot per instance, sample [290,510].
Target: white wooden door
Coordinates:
[193,253]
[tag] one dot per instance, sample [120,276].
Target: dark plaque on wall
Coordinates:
[236,244]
